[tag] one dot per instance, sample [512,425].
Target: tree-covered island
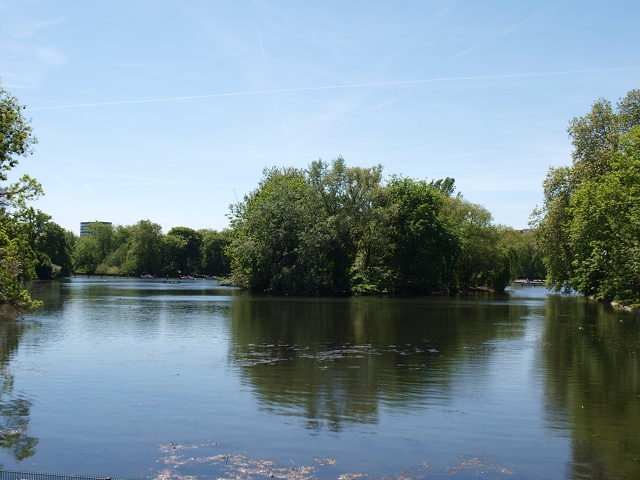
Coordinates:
[332,229]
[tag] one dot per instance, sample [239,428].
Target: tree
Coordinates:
[522,253]
[85,255]
[184,250]
[54,251]
[92,249]
[11,291]
[146,250]
[173,247]
[479,262]
[595,136]
[120,242]
[301,231]
[423,244]
[274,249]
[215,245]
[552,224]
[16,257]
[19,221]
[348,197]
[16,136]
[604,234]
[578,226]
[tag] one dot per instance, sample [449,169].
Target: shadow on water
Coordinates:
[335,362]
[592,378]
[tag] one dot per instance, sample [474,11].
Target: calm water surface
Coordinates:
[145,379]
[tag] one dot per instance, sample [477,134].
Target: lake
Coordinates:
[140,378]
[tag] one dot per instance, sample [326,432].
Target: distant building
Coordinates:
[84,226]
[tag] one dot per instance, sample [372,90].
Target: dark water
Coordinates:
[144,379]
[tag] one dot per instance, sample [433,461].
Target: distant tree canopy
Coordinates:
[336,230]
[142,249]
[589,225]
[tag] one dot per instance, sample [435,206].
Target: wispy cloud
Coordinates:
[505,76]
[122,64]
[387,102]
[512,28]
[488,41]
[23,51]
[32,28]
[21,27]
[25,66]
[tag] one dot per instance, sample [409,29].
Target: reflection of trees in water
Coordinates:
[335,361]
[591,361]
[14,410]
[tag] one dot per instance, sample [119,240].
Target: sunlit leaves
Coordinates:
[590,222]
[334,229]
[16,137]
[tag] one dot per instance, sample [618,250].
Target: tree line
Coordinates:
[143,249]
[332,229]
[589,225]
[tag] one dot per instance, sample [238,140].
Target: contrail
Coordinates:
[342,87]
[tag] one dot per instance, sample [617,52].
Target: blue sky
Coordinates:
[168,110]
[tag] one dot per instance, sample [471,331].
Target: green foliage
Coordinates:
[423,244]
[604,234]
[215,260]
[588,227]
[522,253]
[85,255]
[301,231]
[16,137]
[119,244]
[552,224]
[146,249]
[348,198]
[143,248]
[173,248]
[271,246]
[11,290]
[17,256]
[92,250]
[335,230]
[55,252]
[183,249]
[480,261]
